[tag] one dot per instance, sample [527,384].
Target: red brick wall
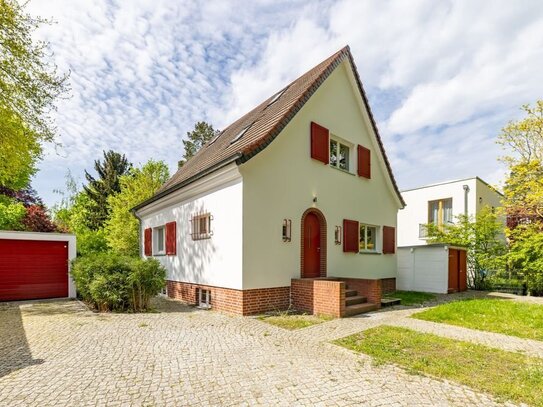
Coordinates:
[242,302]
[319,297]
[388,285]
[257,301]
[371,289]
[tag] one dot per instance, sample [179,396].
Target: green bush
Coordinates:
[111,282]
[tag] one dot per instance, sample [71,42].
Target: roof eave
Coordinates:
[196,177]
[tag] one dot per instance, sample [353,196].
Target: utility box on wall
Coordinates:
[434,268]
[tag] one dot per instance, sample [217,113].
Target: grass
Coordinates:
[294,321]
[502,316]
[411,297]
[506,375]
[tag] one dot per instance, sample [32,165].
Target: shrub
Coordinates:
[148,277]
[111,282]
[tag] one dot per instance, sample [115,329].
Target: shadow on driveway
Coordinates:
[14,350]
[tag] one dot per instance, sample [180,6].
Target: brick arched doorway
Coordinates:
[313,244]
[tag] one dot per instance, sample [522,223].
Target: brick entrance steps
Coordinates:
[356,304]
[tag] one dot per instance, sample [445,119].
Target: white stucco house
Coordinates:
[293,204]
[440,204]
[438,268]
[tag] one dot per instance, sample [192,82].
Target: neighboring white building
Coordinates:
[298,188]
[440,204]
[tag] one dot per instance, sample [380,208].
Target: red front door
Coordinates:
[31,269]
[312,246]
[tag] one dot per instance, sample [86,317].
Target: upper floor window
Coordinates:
[440,211]
[339,155]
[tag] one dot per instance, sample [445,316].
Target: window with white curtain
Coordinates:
[440,211]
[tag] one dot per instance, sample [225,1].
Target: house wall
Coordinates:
[416,209]
[423,268]
[281,182]
[211,262]
[488,195]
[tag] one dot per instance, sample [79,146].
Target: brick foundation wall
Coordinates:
[318,296]
[242,302]
[259,300]
[388,285]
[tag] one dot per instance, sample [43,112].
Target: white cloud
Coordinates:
[445,75]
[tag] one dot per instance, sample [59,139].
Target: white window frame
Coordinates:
[159,230]
[341,142]
[376,238]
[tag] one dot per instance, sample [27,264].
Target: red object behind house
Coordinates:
[33,269]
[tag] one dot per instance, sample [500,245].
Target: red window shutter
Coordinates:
[389,240]
[320,143]
[148,236]
[171,238]
[350,236]
[364,162]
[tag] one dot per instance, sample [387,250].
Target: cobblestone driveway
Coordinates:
[57,353]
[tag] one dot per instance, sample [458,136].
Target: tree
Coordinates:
[483,237]
[524,138]
[11,214]
[98,190]
[526,256]
[27,196]
[202,133]
[72,215]
[29,86]
[122,227]
[523,193]
[36,219]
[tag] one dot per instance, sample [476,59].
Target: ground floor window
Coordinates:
[201,226]
[159,238]
[368,238]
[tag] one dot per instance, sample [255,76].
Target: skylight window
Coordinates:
[240,134]
[214,138]
[277,96]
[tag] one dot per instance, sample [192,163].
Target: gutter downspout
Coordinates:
[139,231]
[466,192]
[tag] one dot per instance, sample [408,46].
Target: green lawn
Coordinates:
[503,316]
[294,321]
[411,297]
[506,375]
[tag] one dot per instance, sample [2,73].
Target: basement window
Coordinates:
[204,298]
[201,226]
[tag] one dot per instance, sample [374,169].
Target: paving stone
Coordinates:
[59,353]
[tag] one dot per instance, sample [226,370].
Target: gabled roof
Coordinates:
[251,133]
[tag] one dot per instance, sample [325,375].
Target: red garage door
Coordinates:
[32,269]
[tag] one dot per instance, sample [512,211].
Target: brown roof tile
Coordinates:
[263,124]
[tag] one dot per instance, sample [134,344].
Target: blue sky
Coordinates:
[442,76]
